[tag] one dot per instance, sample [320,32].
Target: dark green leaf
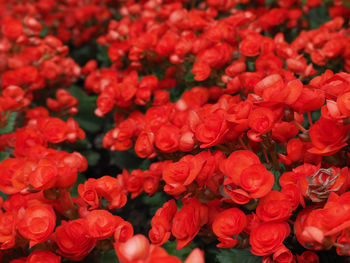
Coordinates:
[145,164]
[102,56]
[155,200]
[92,157]
[189,77]
[268,3]
[237,256]
[250,65]
[170,247]
[318,16]
[346,3]
[125,159]
[4,155]
[316,115]
[277,175]
[86,117]
[108,257]
[80,180]
[84,53]
[43,32]
[175,94]
[10,124]
[3,195]
[118,15]
[158,72]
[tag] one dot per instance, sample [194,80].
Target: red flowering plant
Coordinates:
[174,131]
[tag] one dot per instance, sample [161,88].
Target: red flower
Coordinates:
[309,100]
[275,206]
[7,230]
[167,138]
[88,193]
[144,145]
[7,168]
[273,89]
[43,256]
[261,120]
[167,44]
[188,221]
[250,46]
[256,180]
[234,165]
[182,173]
[212,129]
[266,238]
[135,182]
[161,223]
[27,74]
[124,231]
[295,152]
[308,257]
[133,250]
[44,175]
[11,28]
[283,255]
[53,129]
[37,224]
[105,103]
[201,70]
[73,240]
[108,187]
[196,256]
[328,137]
[343,102]
[101,224]
[227,225]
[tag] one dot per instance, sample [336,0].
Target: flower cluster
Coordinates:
[241,110]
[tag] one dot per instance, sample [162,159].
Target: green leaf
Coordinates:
[170,247]
[145,164]
[108,257]
[4,155]
[237,256]
[86,117]
[80,180]
[155,200]
[318,16]
[102,56]
[277,175]
[268,3]
[84,53]
[125,159]
[250,65]
[189,77]
[175,94]
[346,3]
[92,157]
[44,31]
[10,124]
[118,15]
[315,115]
[158,72]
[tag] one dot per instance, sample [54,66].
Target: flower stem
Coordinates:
[299,126]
